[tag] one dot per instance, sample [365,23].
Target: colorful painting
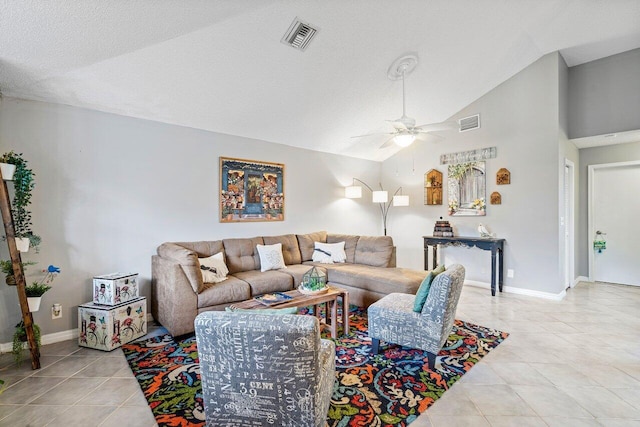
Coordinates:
[251,190]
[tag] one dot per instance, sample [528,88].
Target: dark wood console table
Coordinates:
[496,246]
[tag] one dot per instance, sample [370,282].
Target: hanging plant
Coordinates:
[19,337]
[23,181]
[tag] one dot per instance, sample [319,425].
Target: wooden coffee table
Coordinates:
[329,299]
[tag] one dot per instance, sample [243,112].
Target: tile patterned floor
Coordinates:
[567,363]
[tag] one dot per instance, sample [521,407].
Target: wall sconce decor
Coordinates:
[496,198]
[503,177]
[433,187]
[378,196]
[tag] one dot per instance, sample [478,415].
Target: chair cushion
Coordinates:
[242,254]
[425,286]
[296,271]
[273,311]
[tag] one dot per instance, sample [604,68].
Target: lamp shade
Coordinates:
[404,140]
[400,200]
[353,192]
[380,197]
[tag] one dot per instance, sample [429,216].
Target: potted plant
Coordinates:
[23,185]
[19,337]
[6,266]
[38,288]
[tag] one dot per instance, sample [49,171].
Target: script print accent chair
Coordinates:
[393,320]
[264,370]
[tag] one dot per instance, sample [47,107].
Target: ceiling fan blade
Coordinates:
[398,124]
[372,134]
[429,137]
[388,143]
[435,127]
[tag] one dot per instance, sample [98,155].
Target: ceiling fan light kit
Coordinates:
[405,129]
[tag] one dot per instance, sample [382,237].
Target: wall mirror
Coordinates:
[466,189]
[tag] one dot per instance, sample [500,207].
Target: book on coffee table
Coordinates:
[272,298]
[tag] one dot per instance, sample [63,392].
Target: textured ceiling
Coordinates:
[219,65]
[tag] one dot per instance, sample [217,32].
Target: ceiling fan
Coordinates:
[405,129]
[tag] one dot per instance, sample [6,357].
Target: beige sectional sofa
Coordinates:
[179,293]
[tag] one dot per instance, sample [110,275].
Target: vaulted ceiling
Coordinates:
[220,66]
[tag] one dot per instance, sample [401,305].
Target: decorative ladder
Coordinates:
[16,261]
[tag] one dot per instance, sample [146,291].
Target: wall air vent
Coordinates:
[299,34]
[469,123]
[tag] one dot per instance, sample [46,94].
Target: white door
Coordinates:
[615,207]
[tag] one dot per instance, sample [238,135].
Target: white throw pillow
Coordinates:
[213,268]
[328,253]
[271,257]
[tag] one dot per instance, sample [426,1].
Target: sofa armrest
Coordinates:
[174,302]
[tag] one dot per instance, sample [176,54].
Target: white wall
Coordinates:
[110,189]
[521,118]
[603,95]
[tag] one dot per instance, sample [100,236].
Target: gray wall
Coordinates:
[110,189]
[520,117]
[603,95]
[596,156]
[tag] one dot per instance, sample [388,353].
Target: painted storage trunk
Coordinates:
[115,288]
[105,328]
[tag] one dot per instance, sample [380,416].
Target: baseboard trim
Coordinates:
[55,337]
[580,279]
[46,339]
[519,291]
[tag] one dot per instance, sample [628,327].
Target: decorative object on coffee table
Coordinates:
[314,282]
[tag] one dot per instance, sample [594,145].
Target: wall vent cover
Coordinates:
[299,34]
[469,123]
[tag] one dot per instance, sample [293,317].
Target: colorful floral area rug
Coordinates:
[388,389]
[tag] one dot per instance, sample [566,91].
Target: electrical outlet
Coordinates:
[510,273]
[56,311]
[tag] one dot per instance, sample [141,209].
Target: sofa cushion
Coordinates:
[179,253]
[305,242]
[265,282]
[242,254]
[328,253]
[377,279]
[204,248]
[375,251]
[298,270]
[226,292]
[290,248]
[213,268]
[270,257]
[350,243]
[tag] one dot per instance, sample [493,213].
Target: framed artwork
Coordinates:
[251,190]
[433,187]
[466,189]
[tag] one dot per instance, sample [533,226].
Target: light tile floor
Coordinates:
[566,363]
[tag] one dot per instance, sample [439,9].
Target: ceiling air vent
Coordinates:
[469,123]
[299,34]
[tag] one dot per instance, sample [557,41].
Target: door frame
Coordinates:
[569,213]
[591,206]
